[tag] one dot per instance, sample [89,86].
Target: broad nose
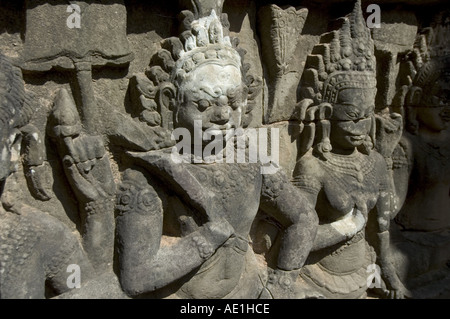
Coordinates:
[222,111]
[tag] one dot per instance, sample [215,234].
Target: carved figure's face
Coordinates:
[215,95]
[351,119]
[435,113]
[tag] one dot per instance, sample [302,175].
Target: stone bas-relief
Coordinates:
[340,173]
[35,247]
[94,175]
[421,158]
[212,205]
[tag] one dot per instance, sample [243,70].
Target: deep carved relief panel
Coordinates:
[224,149]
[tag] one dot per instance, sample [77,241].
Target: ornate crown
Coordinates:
[202,41]
[343,59]
[205,43]
[430,57]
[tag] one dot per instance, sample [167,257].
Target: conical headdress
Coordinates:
[429,60]
[343,59]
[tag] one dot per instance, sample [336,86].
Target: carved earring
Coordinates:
[323,148]
[412,125]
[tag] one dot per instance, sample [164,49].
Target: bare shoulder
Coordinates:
[308,165]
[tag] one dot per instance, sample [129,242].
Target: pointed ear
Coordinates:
[166,104]
[412,125]
[414,96]
[166,96]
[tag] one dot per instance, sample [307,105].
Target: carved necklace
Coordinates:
[356,165]
[439,152]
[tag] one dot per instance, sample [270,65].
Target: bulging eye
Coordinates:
[235,99]
[203,105]
[353,116]
[236,104]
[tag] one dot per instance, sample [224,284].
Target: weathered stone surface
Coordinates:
[224,149]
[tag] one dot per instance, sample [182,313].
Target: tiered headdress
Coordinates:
[344,58]
[428,61]
[205,43]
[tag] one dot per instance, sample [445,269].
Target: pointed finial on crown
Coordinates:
[344,58]
[202,8]
[431,53]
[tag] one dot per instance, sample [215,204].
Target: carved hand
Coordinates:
[395,289]
[389,132]
[351,224]
[88,168]
[85,160]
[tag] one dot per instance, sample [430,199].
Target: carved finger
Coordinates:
[70,149]
[79,145]
[65,122]
[325,111]
[79,184]
[307,139]
[90,172]
[302,107]
[99,148]
[89,147]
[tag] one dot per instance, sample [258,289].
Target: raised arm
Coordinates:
[145,264]
[397,153]
[379,237]
[294,210]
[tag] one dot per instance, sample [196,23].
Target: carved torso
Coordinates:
[426,207]
[233,192]
[341,184]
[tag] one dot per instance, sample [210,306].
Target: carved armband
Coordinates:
[137,198]
[273,185]
[205,249]
[101,206]
[389,163]
[307,183]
